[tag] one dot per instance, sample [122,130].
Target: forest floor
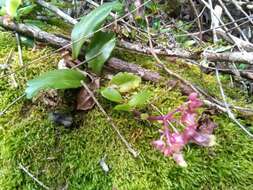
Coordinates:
[69,158]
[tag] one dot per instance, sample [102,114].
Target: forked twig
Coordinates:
[229,112]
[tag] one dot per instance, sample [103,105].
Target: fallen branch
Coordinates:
[180,53]
[245,57]
[115,64]
[30,31]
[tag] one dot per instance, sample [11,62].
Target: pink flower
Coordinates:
[194,102]
[188,118]
[179,158]
[172,143]
[204,139]
[168,151]
[159,144]
[188,133]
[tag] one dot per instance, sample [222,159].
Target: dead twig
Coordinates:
[110,121]
[229,112]
[198,19]
[57,11]
[11,104]
[19,50]
[32,176]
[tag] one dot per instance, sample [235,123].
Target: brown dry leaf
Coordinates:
[84,100]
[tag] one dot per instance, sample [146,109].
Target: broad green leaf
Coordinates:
[137,100]
[140,99]
[126,81]
[88,25]
[57,79]
[122,107]
[112,95]
[99,50]
[12,6]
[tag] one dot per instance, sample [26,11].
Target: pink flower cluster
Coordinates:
[172,141]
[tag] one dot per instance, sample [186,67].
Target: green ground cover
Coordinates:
[61,157]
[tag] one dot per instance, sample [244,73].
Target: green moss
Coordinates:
[60,157]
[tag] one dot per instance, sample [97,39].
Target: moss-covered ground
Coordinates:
[69,158]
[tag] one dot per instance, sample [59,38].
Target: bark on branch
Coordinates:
[30,31]
[230,56]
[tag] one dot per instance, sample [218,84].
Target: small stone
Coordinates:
[61,119]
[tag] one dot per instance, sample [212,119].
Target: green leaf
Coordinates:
[126,81]
[188,43]
[12,6]
[140,99]
[99,50]
[123,107]
[242,66]
[25,11]
[29,42]
[87,25]
[57,79]
[112,95]
[137,100]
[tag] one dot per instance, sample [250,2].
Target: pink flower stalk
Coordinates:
[172,143]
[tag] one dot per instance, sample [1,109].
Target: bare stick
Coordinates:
[229,112]
[11,104]
[245,57]
[240,8]
[198,18]
[19,50]
[32,176]
[233,20]
[219,19]
[214,22]
[57,11]
[109,119]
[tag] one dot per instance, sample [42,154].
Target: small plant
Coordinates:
[98,51]
[123,83]
[101,42]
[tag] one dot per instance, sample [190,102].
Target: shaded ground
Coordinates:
[70,157]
